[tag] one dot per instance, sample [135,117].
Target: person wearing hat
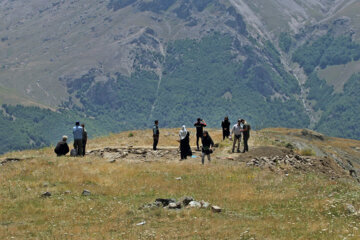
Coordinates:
[237,130]
[62,147]
[78,137]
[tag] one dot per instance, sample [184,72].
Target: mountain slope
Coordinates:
[120,64]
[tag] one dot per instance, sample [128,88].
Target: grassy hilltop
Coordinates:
[274,202]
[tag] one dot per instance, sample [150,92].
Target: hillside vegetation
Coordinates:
[118,65]
[257,203]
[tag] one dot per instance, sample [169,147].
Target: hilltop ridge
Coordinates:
[290,185]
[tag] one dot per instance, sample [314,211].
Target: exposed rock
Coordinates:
[178,178]
[350,209]
[204,204]
[216,209]
[141,223]
[112,161]
[46,194]
[67,192]
[165,201]
[312,135]
[194,204]
[86,193]
[187,200]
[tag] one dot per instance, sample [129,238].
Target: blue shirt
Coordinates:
[78,132]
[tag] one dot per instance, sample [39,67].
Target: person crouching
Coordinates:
[62,147]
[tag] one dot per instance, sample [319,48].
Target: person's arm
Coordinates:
[203,123]
[211,143]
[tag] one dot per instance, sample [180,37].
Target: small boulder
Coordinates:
[165,201]
[186,200]
[67,192]
[86,193]
[204,204]
[216,209]
[46,194]
[112,161]
[173,205]
[194,204]
[350,209]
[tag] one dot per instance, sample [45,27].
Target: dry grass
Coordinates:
[257,204]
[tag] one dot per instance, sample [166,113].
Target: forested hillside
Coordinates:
[118,65]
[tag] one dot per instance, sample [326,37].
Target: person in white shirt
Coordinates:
[237,129]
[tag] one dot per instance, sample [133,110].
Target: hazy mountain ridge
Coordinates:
[116,61]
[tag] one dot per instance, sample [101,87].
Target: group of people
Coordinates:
[239,130]
[80,140]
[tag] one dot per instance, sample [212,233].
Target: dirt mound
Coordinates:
[301,163]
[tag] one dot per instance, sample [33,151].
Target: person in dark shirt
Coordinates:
[246,135]
[207,145]
[62,147]
[156,134]
[200,124]
[226,128]
[84,139]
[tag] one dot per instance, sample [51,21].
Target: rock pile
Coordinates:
[280,160]
[133,154]
[300,163]
[185,202]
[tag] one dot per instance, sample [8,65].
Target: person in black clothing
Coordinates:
[62,147]
[156,134]
[200,124]
[226,128]
[207,145]
[84,139]
[246,135]
[185,149]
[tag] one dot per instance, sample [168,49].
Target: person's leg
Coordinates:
[80,153]
[234,144]
[83,148]
[247,146]
[156,141]
[203,158]
[224,135]
[197,141]
[238,146]
[209,158]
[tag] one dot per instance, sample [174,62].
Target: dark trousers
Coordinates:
[78,146]
[83,148]
[246,147]
[156,141]
[226,134]
[197,140]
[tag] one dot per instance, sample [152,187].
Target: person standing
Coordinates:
[207,145]
[237,130]
[78,135]
[225,127]
[185,149]
[156,134]
[62,147]
[246,135]
[84,139]
[200,124]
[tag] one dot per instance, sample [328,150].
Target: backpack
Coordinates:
[73,153]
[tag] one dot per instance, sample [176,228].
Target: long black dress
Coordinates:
[185,149]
